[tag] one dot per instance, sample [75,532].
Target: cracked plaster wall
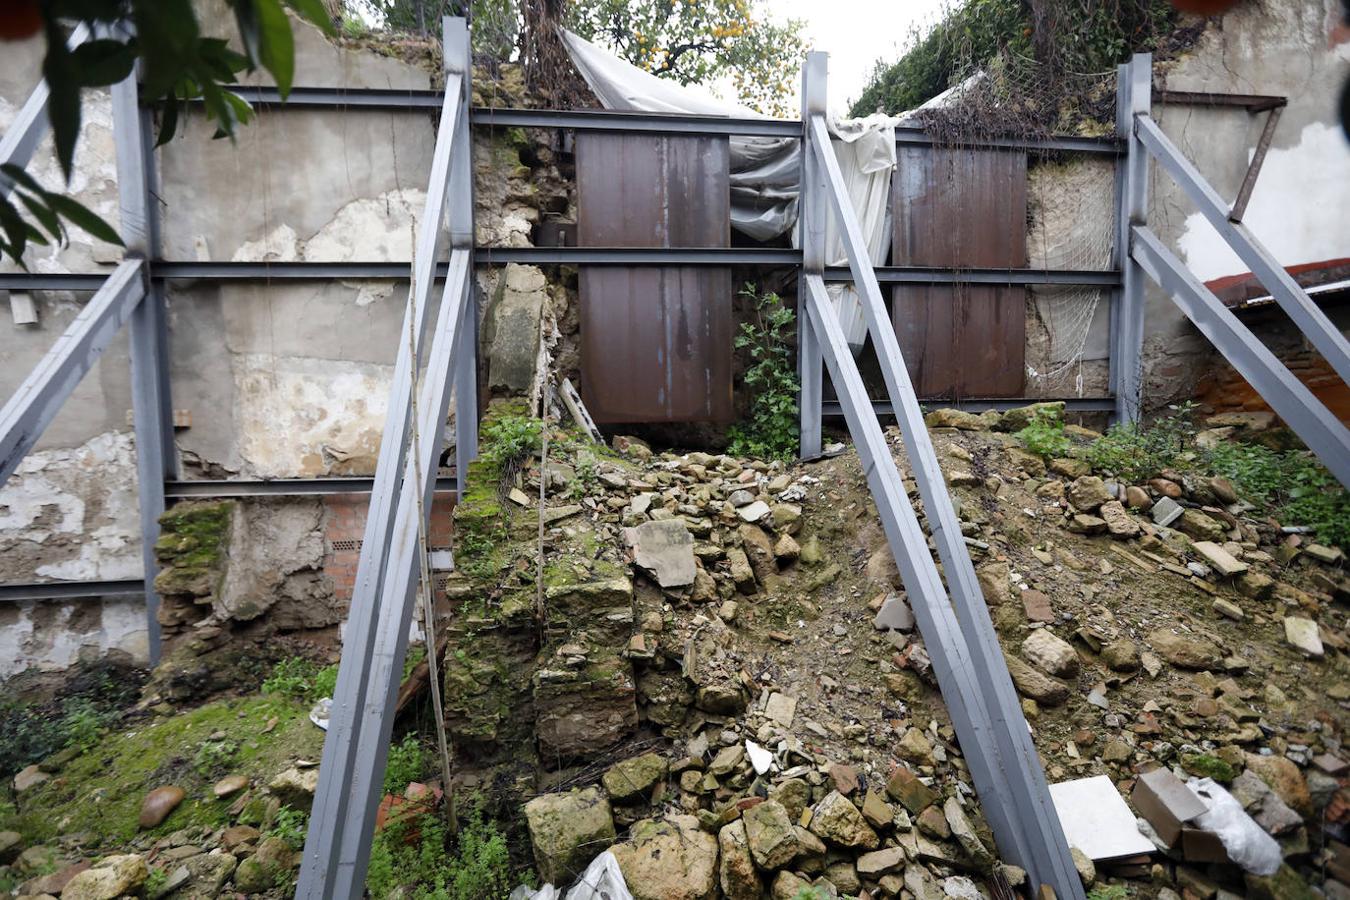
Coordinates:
[286,379]
[1298,208]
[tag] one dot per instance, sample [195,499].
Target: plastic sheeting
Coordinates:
[602,880]
[1246,842]
[766,172]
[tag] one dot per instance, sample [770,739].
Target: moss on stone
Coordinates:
[1207,766]
[100,792]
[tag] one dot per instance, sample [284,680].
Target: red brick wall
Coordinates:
[345,525]
[1227,391]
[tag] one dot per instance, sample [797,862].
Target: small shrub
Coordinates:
[289,825]
[213,756]
[412,853]
[83,723]
[1136,453]
[1109,892]
[772,431]
[1044,434]
[407,763]
[506,441]
[301,679]
[154,882]
[1292,486]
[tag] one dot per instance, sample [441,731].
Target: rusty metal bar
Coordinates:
[1254,167]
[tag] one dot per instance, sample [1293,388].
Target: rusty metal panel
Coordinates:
[961,207]
[655,341]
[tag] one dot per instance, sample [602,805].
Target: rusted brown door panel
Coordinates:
[655,342]
[935,324]
[963,208]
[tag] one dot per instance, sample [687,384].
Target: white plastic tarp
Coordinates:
[766,172]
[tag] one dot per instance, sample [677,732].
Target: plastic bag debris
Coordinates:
[602,880]
[1246,843]
[318,714]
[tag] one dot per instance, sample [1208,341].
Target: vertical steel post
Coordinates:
[811,217]
[459,58]
[1134,96]
[331,810]
[152,408]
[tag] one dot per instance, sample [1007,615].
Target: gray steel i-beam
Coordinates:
[399,588]
[1314,324]
[37,400]
[811,238]
[1289,397]
[458,58]
[332,812]
[1008,773]
[152,407]
[1134,83]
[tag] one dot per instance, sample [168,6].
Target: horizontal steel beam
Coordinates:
[71,590]
[167,270]
[942,275]
[385,99]
[283,487]
[39,397]
[1110,146]
[1251,102]
[634,122]
[1001,404]
[1289,397]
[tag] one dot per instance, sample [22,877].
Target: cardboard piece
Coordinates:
[1166,802]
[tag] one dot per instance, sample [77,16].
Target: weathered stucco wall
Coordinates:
[1298,209]
[279,380]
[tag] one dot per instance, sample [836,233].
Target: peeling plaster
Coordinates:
[1316,169]
[71,514]
[51,637]
[307,417]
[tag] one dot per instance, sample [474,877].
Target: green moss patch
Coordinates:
[100,792]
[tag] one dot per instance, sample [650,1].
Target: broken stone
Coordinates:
[1031,683]
[668,859]
[912,793]
[1082,523]
[1037,607]
[1087,493]
[894,615]
[1229,609]
[295,787]
[836,820]
[1050,653]
[1118,522]
[1222,561]
[736,869]
[781,708]
[112,877]
[1185,652]
[753,512]
[664,549]
[634,778]
[157,805]
[1121,655]
[879,862]
[773,842]
[1304,635]
[1284,779]
[567,831]
[877,811]
[1200,526]
[964,832]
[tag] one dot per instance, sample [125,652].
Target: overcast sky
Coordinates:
[856,33]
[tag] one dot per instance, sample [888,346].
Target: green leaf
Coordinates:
[80,215]
[277,50]
[15,230]
[16,174]
[102,62]
[63,103]
[313,11]
[43,214]
[168,120]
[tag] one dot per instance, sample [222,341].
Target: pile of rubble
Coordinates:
[1150,627]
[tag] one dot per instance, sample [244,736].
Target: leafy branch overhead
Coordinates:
[179,63]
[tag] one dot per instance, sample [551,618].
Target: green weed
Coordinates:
[418,854]
[1044,434]
[772,430]
[407,763]
[289,825]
